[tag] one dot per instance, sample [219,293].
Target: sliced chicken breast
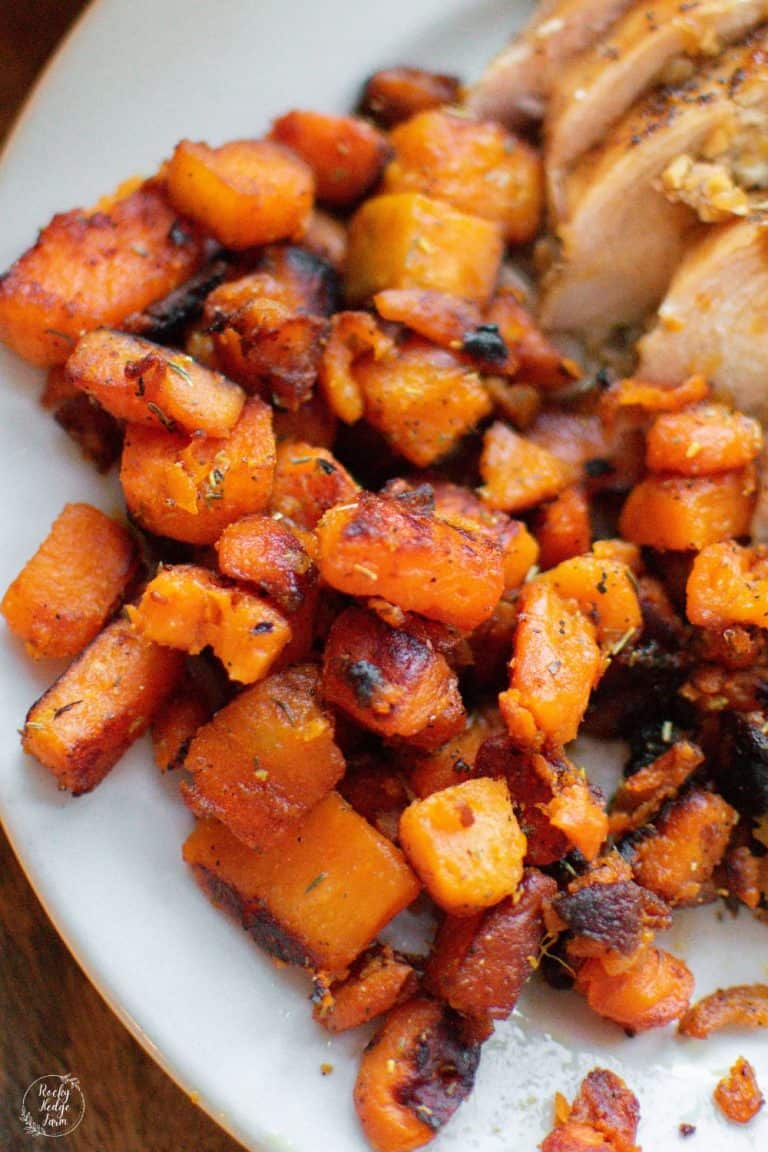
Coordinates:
[626,216]
[714,318]
[516,84]
[643,49]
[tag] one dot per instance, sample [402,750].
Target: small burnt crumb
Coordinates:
[421,499]
[687,1130]
[262,629]
[325,466]
[598,467]
[177,235]
[366,680]
[486,343]
[460,765]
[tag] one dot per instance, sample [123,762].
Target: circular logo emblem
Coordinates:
[52,1106]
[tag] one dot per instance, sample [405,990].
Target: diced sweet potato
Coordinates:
[740,1006]
[378,981]
[353,335]
[606,910]
[424,399]
[319,896]
[690,840]
[188,607]
[555,665]
[72,584]
[605,1115]
[381,547]
[465,844]
[265,759]
[680,512]
[395,94]
[312,422]
[651,992]
[88,270]
[563,528]
[517,473]
[728,585]
[143,383]
[653,397]
[477,167]
[309,481]
[104,701]
[346,154]
[413,1076]
[702,440]
[176,722]
[246,192]
[389,681]
[449,322]
[406,240]
[327,238]
[642,794]
[538,361]
[605,592]
[453,762]
[480,963]
[265,552]
[191,488]
[738,1094]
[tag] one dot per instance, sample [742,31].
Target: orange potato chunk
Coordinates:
[308,481]
[379,980]
[353,335]
[453,762]
[72,584]
[265,552]
[728,584]
[555,665]
[563,528]
[651,992]
[188,607]
[143,383]
[92,269]
[346,154]
[465,844]
[191,488]
[517,473]
[477,167]
[605,592]
[702,440]
[380,547]
[319,896]
[413,1076]
[633,393]
[395,94]
[738,1094]
[104,701]
[679,513]
[605,1115]
[424,399]
[246,193]
[265,759]
[175,723]
[407,240]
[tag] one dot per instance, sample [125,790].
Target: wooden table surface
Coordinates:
[51,1019]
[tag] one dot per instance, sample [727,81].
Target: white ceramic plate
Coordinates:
[136,76]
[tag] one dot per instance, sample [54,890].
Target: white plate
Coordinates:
[227,1025]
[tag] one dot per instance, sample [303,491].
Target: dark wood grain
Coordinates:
[51,1019]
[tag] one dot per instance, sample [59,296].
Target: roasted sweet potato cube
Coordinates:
[555,665]
[191,488]
[407,240]
[728,585]
[72,584]
[738,1094]
[605,1115]
[379,980]
[517,473]
[265,552]
[104,701]
[265,759]
[395,94]
[563,528]
[538,361]
[605,592]
[423,399]
[312,422]
[246,192]
[382,547]
[309,481]
[143,383]
[88,270]
[454,761]
[176,722]
[346,154]
[390,681]
[319,896]
[413,1075]
[689,840]
[477,166]
[188,607]
[480,963]
[353,335]
[702,440]
[651,990]
[465,844]
[678,513]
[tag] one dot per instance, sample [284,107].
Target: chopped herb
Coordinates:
[164,420]
[177,368]
[35,726]
[622,642]
[325,466]
[61,335]
[140,250]
[65,708]
[314,883]
[263,628]
[666,732]
[281,704]
[261,774]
